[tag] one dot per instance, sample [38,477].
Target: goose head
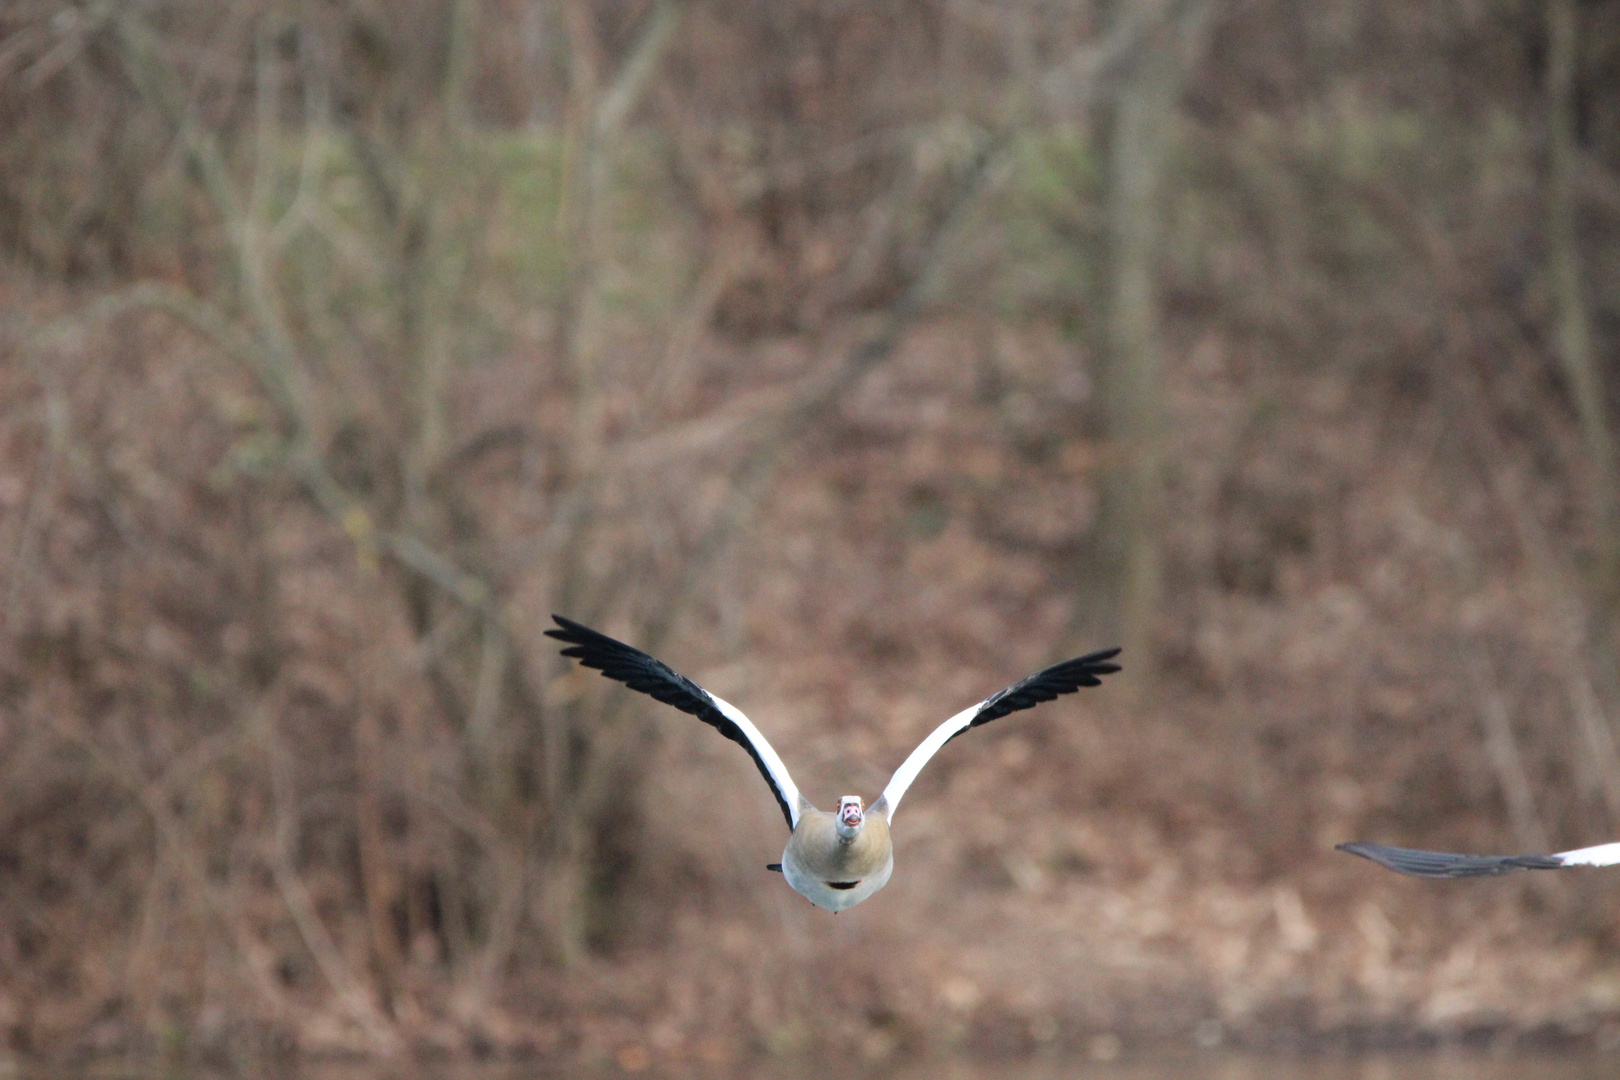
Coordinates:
[850,817]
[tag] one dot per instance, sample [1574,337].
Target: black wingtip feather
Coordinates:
[1049,683]
[648,675]
[1440,864]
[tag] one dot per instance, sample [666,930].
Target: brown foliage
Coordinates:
[348,342]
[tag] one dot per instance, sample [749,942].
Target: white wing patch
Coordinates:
[1602,855]
[1045,685]
[773,764]
[913,765]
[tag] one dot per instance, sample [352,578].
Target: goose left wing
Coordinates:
[1441,864]
[629,665]
[1044,685]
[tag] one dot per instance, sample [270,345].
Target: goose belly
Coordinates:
[814,889]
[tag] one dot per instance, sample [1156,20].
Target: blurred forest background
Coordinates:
[857,357]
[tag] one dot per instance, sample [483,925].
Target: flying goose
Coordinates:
[1439,864]
[834,860]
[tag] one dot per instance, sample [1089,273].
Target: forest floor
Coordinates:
[1347,596]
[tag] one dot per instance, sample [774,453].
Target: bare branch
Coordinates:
[254,957]
[615,106]
[354,998]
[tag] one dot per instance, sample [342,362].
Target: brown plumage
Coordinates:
[816,846]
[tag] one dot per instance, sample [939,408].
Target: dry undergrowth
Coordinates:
[797,388]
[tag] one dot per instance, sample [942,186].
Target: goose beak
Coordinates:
[850,812]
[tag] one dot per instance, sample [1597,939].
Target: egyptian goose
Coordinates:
[835,860]
[1439,864]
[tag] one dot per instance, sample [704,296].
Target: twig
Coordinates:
[57,429]
[354,998]
[1503,750]
[463,27]
[481,718]
[152,798]
[270,353]
[1094,72]
[614,107]
[478,980]
[305,465]
[1572,330]
[1573,656]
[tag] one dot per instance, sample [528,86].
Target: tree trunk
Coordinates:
[1134,134]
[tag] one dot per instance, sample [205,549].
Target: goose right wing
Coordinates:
[1044,685]
[638,671]
[1440,864]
